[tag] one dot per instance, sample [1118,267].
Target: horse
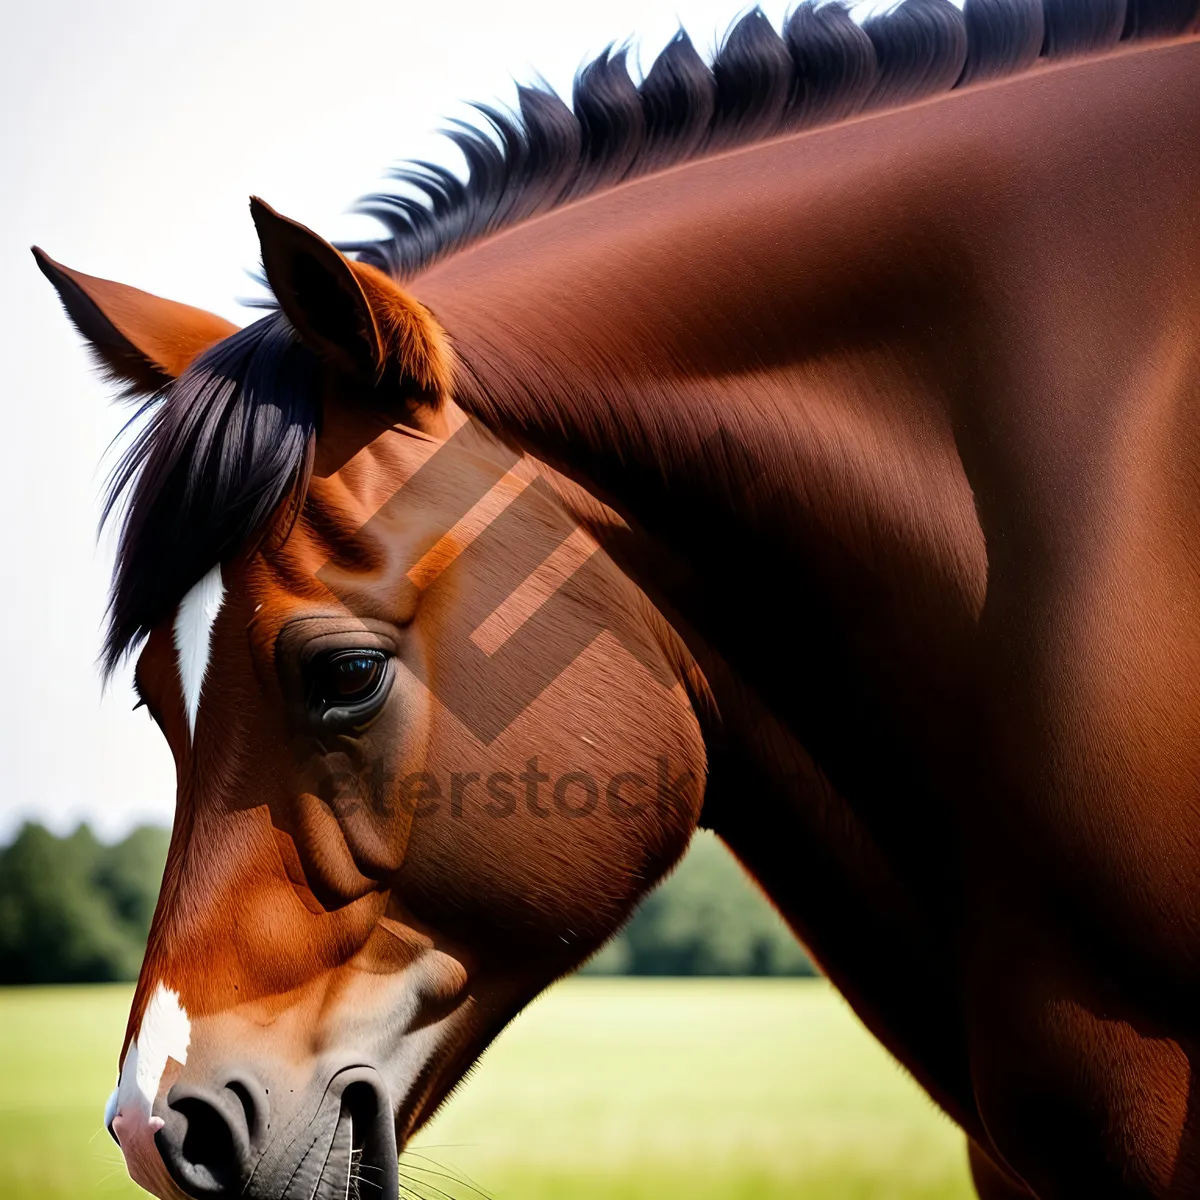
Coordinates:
[800,445]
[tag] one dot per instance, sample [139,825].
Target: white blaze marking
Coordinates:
[164,1033]
[193,638]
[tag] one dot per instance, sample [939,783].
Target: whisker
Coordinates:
[412,1191]
[455,1172]
[453,1179]
[109,1176]
[437,1191]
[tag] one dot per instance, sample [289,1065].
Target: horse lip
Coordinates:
[337,1164]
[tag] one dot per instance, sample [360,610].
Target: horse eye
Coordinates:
[347,678]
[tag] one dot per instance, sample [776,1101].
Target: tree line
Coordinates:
[74,909]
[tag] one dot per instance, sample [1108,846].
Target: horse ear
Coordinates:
[141,341]
[319,292]
[349,313]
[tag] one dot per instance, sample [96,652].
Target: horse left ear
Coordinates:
[141,341]
[350,314]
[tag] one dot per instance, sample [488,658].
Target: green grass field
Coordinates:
[604,1088]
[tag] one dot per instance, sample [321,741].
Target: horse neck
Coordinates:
[711,371]
[796,370]
[805,380]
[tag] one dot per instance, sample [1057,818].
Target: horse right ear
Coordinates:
[352,315]
[140,341]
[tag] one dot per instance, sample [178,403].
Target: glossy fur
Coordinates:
[871,450]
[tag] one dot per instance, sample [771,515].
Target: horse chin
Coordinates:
[143,1161]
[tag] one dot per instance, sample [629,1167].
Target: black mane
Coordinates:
[760,84]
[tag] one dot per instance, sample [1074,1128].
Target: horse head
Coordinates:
[431,744]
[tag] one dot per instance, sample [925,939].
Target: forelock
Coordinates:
[219,452]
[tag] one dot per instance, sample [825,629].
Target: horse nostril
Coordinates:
[206,1142]
[372,1172]
[253,1107]
[205,1160]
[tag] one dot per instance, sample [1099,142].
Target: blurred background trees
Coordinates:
[75,910]
[708,918]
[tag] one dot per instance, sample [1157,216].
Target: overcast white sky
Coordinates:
[131,134]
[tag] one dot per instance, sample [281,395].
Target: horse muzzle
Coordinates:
[237,1140]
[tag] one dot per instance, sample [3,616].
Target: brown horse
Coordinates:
[844,480]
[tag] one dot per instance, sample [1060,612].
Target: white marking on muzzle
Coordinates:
[193,638]
[164,1033]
